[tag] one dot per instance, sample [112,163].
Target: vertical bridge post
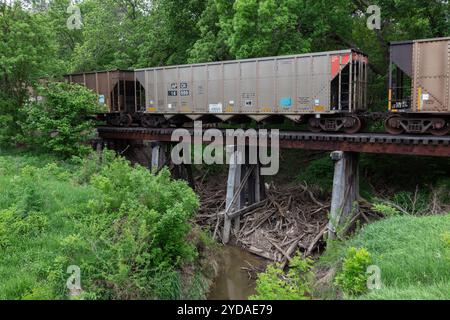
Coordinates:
[244,191]
[233,200]
[159,159]
[99,146]
[161,156]
[344,203]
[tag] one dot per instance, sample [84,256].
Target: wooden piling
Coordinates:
[244,190]
[344,203]
[159,156]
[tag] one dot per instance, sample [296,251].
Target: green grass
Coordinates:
[438,291]
[411,252]
[24,262]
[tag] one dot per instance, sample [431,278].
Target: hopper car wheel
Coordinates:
[314,125]
[353,124]
[392,125]
[441,131]
[125,120]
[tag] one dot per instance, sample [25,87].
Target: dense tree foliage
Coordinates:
[130,33]
[26,52]
[62,122]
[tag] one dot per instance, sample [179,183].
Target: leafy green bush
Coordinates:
[61,122]
[274,284]
[353,278]
[386,210]
[132,233]
[127,229]
[14,225]
[27,52]
[8,127]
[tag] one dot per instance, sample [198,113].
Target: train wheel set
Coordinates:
[398,124]
[348,124]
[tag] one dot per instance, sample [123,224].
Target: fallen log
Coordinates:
[291,250]
[246,210]
[316,241]
[262,253]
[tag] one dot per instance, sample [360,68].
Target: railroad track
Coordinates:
[359,142]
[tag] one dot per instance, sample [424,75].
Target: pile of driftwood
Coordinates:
[291,218]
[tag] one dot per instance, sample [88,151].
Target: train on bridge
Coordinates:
[327,91]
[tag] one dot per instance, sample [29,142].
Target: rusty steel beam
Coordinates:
[361,143]
[135,136]
[418,150]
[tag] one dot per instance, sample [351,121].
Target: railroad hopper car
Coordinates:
[327,90]
[419,87]
[115,89]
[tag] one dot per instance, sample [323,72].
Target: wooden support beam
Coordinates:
[241,183]
[234,188]
[99,146]
[160,157]
[244,189]
[344,203]
[260,187]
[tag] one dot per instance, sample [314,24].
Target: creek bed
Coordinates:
[232,282]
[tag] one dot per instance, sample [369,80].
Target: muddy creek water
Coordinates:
[232,282]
